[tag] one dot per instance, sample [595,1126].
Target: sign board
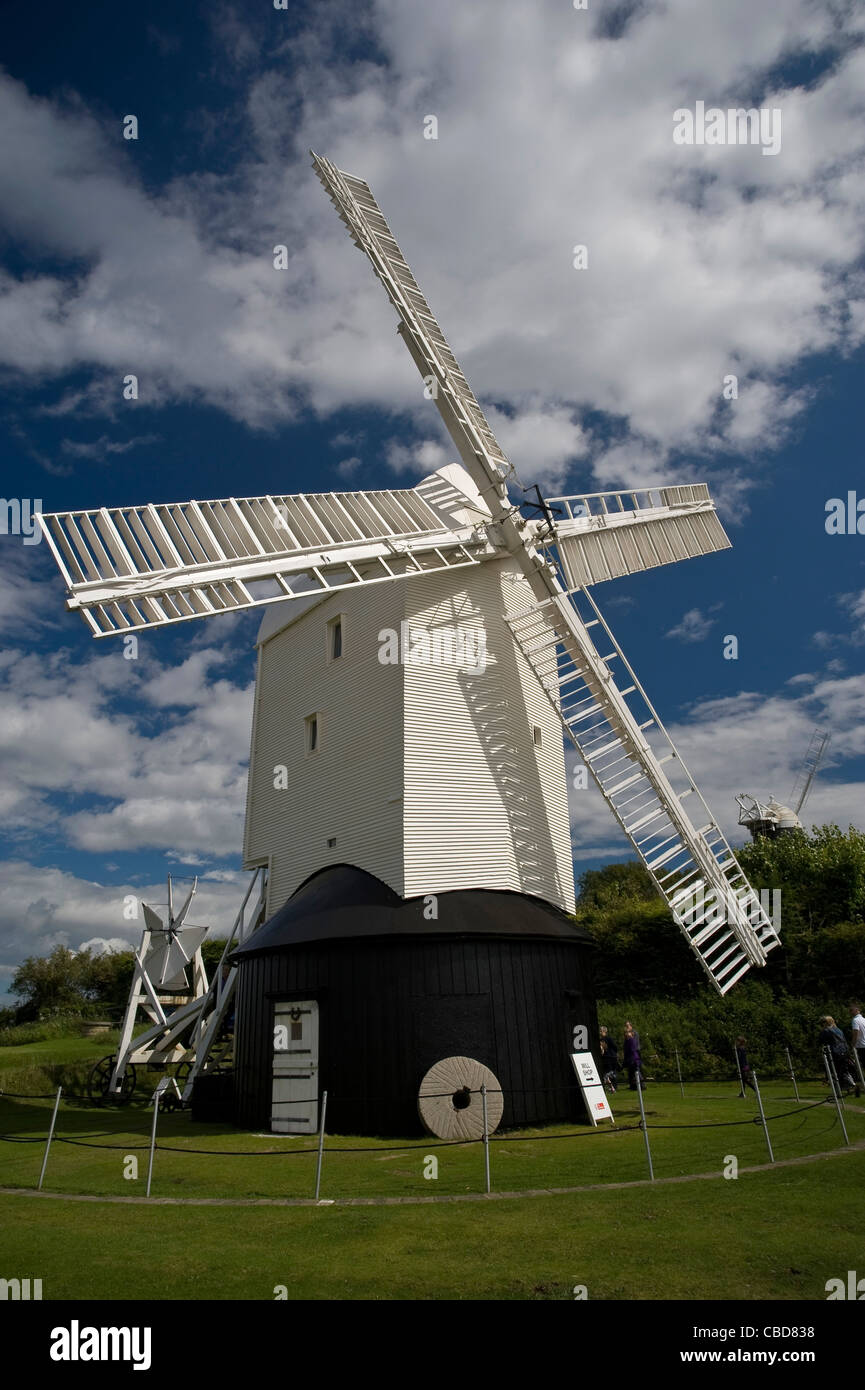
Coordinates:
[592,1087]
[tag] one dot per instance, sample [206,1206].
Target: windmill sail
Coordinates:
[609,534]
[689,863]
[139,567]
[462,415]
[695,870]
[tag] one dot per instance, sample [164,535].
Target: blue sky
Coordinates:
[155,256]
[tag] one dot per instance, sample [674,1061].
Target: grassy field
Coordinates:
[773,1234]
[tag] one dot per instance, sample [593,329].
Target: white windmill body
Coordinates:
[439,762]
[432,775]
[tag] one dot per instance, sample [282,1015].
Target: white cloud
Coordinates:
[41,908]
[28,588]
[102,946]
[702,260]
[96,775]
[750,743]
[693,626]
[420,458]
[103,447]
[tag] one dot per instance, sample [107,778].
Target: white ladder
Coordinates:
[632,760]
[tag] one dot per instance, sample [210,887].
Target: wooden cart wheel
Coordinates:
[99,1081]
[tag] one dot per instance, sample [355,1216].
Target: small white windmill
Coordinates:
[772,818]
[139,567]
[166,951]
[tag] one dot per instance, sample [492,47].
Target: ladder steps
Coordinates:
[616,743]
[728,930]
[662,859]
[620,786]
[638,825]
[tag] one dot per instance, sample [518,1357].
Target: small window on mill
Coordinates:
[312,732]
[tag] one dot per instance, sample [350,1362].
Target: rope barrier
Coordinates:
[407,1148]
[751,1120]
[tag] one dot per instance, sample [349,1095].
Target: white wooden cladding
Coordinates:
[456,402]
[425,776]
[138,567]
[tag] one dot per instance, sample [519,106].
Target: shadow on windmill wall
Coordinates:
[489,698]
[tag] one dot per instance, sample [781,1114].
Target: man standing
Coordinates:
[857,1023]
[832,1037]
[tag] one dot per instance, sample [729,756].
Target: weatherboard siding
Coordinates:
[427,775]
[484,808]
[391,1008]
[351,789]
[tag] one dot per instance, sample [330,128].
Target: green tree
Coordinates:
[52,984]
[821,877]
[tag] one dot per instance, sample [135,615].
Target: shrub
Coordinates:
[704,1026]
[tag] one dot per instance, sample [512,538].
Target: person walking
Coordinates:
[744,1066]
[632,1058]
[857,1023]
[609,1060]
[832,1037]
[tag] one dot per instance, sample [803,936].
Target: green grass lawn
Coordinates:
[56,1051]
[776,1234]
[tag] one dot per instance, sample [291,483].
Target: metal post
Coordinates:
[837,1084]
[50,1136]
[320,1144]
[762,1115]
[643,1125]
[679,1070]
[835,1095]
[156,1099]
[792,1073]
[486,1136]
[739,1072]
[856,1052]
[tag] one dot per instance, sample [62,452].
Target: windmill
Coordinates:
[166,949]
[184,1014]
[149,566]
[773,818]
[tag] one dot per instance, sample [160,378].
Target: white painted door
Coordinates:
[294,1108]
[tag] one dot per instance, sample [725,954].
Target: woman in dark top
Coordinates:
[632,1059]
[744,1066]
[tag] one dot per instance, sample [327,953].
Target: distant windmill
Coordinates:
[167,948]
[146,566]
[773,818]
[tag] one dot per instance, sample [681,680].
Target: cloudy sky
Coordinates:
[554,129]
